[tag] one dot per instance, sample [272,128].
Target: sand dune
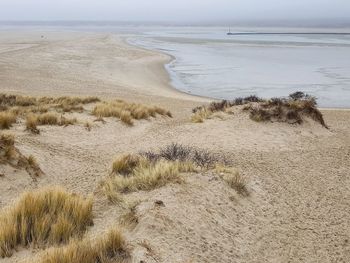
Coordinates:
[297,175]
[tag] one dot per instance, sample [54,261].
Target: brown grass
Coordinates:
[291,109]
[146,176]
[286,110]
[126,112]
[233,178]
[50,216]
[48,118]
[150,170]
[32,124]
[7,119]
[88,126]
[10,155]
[125,164]
[112,248]
[7,148]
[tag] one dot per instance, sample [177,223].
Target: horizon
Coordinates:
[181,11]
[322,23]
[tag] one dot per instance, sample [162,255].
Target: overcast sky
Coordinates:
[174,10]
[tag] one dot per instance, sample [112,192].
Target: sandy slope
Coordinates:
[298,176]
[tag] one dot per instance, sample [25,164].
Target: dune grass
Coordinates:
[291,109]
[111,248]
[10,155]
[7,119]
[146,177]
[233,178]
[150,170]
[43,111]
[48,118]
[49,216]
[127,112]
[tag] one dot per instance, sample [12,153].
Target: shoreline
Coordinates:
[296,175]
[166,65]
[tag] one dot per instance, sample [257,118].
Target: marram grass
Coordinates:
[49,216]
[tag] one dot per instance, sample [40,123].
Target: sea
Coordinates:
[267,62]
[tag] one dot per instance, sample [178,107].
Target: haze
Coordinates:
[178,10]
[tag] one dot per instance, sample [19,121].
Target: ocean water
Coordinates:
[208,62]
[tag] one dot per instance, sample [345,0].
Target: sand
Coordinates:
[297,175]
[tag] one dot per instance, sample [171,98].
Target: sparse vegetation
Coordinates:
[150,170]
[43,111]
[10,155]
[127,112]
[290,110]
[146,178]
[7,119]
[186,154]
[130,218]
[32,124]
[88,126]
[50,216]
[112,248]
[233,178]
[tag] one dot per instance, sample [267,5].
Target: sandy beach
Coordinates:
[297,175]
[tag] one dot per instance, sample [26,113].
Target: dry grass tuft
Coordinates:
[8,151]
[10,155]
[7,119]
[186,154]
[32,124]
[112,248]
[50,216]
[88,126]
[125,164]
[63,121]
[201,115]
[290,109]
[48,118]
[233,178]
[130,218]
[126,112]
[146,177]
[150,170]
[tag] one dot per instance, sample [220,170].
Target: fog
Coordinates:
[177,10]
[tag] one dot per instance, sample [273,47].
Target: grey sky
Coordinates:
[174,10]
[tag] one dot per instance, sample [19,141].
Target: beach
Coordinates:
[297,175]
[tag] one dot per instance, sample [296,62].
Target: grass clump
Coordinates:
[10,155]
[146,177]
[201,113]
[186,154]
[291,109]
[8,152]
[49,118]
[32,124]
[149,170]
[111,248]
[7,119]
[50,216]
[233,178]
[127,112]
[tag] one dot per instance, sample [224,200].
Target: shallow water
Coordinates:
[210,63]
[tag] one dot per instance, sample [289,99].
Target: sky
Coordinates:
[175,10]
